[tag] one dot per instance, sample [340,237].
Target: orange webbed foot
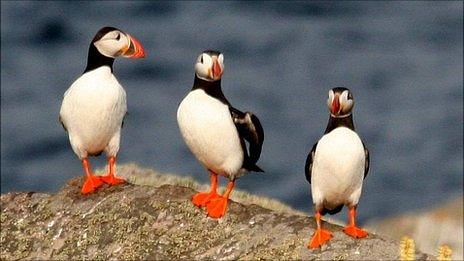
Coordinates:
[203,198]
[216,208]
[320,237]
[91,183]
[355,232]
[112,180]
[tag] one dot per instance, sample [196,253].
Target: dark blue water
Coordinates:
[402,60]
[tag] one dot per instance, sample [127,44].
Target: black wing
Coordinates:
[309,163]
[62,124]
[123,118]
[249,128]
[367,162]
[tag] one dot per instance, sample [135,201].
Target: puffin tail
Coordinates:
[254,167]
[332,211]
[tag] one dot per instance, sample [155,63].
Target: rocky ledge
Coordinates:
[151,217]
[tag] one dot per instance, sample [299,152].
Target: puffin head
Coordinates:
[340,102]
[112,42]
[210,66]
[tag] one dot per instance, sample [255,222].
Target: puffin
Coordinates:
[94,106]
[336,167]
[218,134]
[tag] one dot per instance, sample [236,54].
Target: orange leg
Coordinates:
[320,236]
[216,208]
[202,198]
[92,182]
[351,229]
[110,178]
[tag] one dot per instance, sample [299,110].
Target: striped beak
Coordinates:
[216,71]
[134,49]
[336,104]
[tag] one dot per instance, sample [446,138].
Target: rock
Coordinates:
[159,222]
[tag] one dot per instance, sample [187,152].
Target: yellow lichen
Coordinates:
[444,253]
[407,249]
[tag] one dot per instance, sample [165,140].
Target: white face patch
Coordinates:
[204,66]
[112,43]
[330,99]
[221,61]
[345,103]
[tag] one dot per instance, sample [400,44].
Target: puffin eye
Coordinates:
[201,59]
[118,37]
[350,96]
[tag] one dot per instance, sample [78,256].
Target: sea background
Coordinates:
[403,62]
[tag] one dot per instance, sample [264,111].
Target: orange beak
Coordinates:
[336,105]
[135,49]
[217,70]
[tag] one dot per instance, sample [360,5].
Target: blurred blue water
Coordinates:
[402,60]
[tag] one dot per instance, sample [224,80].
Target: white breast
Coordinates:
[207,128]
[338,169]
[92,110]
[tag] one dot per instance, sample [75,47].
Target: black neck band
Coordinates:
[95,59]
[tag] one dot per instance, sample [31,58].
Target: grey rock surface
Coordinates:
[146,222]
